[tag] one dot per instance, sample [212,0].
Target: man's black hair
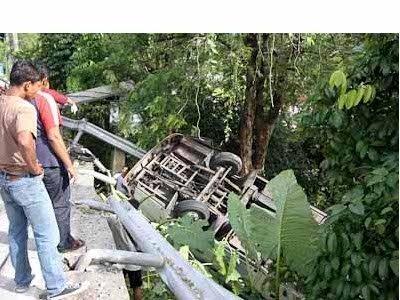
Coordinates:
[42,69]
[23,71]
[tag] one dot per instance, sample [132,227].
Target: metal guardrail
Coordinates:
[120,257]
[183,280]
[83,126]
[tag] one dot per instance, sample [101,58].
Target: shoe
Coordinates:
[70,290]
[75,245]
[23,288]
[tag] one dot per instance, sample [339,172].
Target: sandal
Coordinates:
[75,245]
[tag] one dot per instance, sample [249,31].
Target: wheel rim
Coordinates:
[193,214]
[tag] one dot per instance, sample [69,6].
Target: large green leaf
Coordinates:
[264,225]
[367,93]
[239,218]
[383,268]
[297,227]
[332,242]
[357,208]
[351,98]
[342,101]
[360,94]
[338,79]
[394,265]
[337,119]
[292,229]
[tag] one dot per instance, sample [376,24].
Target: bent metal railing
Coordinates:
[185,282]
[83,126]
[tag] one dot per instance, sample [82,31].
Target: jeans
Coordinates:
[26,200]
[56,181]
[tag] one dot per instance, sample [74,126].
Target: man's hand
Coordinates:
[72,173]
[74,108]
[37,170]
[3,86]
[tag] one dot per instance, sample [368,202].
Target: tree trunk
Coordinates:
[249,108]
[267,114]
[259,115]
[265,125]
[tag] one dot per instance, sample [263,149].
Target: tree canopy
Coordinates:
[323,105]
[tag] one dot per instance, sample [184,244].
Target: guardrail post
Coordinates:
[117,160]
[77,137]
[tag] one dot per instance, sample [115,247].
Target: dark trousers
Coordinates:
[56,181]
[123,241]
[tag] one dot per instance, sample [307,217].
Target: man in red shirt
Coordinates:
[53,155]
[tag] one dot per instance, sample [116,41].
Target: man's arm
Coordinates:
[60,98]
[25,131]
[27,148]
[57,144]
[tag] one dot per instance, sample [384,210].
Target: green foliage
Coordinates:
[241,222]
[338,79]
[219,258]
[187,232]
[359,244]
[56,50]
[29,46]
[160,105]
[290,148]
[154,287]
[88,70]
[370,228]
[293,145]
[196,77]
[212,258]
[353,97]
[228,270]
[187,255]
[191,87]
